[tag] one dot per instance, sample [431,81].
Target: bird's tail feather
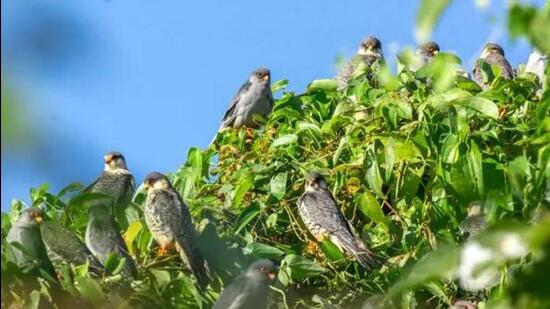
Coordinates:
[196,263]
[363,255]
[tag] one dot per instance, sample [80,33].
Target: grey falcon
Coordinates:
[493,54]
[103,236]
[321,215]
[369,55]
[170,223]
[254,97]
[250,290]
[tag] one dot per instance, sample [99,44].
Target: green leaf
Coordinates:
[33,300]
[162,278]
[285,140]
[450,149]
[332,251]
[260,250]
[369,206]
[297,267]
[247,215]
[483,106]
[279,85]
[15,210]
[278,185]
[476,166]
[90,291]
[427,16]
[520,165]
[323,84]
[244,185]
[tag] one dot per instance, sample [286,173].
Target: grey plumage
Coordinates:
[250,290]
[254,97]
[322,217]
[170,223]
[369,57]
[63,246]
[26,233]
[103,236]
[474,222]
[493,54]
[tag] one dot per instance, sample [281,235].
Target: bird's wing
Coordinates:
[231,112]
[506,70]
[236,295]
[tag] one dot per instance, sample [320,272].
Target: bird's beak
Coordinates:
[435,52]
[272,275]
[146,186]
[38,219]
[108,159]
[265,78]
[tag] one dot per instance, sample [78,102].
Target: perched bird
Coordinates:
[254,97]
[322,217]
[26,233]
[115,181]
[249,290]
[474,222]
[493,54]
[63,246]
[102,232]
[425,54]
[103,239]
[169,221]
[537,64]
[369,56]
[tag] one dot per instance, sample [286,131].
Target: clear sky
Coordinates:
[152,79]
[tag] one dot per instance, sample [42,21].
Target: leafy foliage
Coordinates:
[403,160]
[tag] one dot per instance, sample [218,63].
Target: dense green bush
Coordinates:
[403,160]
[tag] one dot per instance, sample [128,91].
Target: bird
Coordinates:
[26,233]
[103,238]
[474,222]
[250,289]
[492,54]
[369,55]
[63,246]
[253,98]
[170,223]
[537,64]
[321,215]
[425,54]
[116,182]
[102,235]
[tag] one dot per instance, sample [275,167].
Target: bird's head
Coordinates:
[264,270]
[30,217]
[492,48]
[155,180]
[260,76]
[475,208]
[315,181]
[115,162]
[370,46]
[429,49]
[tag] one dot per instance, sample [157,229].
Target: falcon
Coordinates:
[102,232]
[170,223]
[321,215]
[63,246]
[426,53]
[116,182]
[249,290]
[253,98]
[493,54]
[26,233]
[474,222]
[369,56]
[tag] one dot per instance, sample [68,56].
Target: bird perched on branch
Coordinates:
[253,98]
[474,222]
[251,289]
[63,246]
[537,64]
[492,54]
[26,233]
[322,217]
[426,54]
[103,236]
[369,57]
[170,223]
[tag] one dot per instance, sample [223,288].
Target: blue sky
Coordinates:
[153,79]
